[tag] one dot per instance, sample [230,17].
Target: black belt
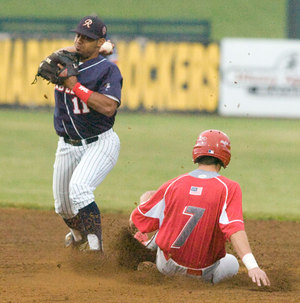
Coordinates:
[80,142]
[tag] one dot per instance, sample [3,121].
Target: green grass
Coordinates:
[230,18]
[155,148]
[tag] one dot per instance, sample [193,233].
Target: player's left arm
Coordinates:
[232,225]
[241,245]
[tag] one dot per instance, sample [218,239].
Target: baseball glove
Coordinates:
[49,69]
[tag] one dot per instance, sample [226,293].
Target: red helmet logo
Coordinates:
[213,143]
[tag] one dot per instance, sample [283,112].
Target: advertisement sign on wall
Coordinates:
[175,76]
[260,78]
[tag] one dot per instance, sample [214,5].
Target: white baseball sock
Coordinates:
[94,242]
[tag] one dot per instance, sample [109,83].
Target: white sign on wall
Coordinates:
[260,78]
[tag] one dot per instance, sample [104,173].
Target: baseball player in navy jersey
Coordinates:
[88,147]
[193,216]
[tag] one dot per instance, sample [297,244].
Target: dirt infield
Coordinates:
[35,266]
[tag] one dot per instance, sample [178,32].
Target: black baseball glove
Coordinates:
[49,69]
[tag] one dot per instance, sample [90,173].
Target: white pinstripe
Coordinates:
[78,170]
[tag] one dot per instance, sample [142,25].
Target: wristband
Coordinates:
[249,261]
[82,92]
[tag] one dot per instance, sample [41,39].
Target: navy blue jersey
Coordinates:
[72,117]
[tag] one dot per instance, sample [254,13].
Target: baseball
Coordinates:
[106,47]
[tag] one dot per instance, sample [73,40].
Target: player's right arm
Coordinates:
[98,102]
[144,198]
[149,214]
[241,245]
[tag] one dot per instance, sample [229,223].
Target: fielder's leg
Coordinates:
[98,159]
[66,161]
[64,166]
[91,220]
[77,231]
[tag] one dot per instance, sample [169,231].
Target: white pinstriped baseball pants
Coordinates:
[78,170]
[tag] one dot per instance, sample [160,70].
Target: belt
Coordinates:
[81,142]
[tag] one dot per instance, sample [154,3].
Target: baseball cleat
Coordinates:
[85,247]
[69,239]
[82,245]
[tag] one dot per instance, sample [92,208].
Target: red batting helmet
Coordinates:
[213,143]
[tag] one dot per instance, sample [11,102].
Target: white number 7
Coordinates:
[195,214]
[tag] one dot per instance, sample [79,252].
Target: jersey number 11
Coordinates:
[77,110]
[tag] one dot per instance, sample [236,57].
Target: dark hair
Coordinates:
[209,160]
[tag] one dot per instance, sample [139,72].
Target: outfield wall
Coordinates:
[164,76]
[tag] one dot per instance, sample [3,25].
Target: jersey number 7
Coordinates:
[195,214]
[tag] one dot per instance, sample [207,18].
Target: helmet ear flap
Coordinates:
[213,143]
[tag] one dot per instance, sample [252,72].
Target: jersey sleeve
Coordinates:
[111,84]
[231,219]
[148,216]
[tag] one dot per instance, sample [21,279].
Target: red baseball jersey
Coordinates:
[194,214]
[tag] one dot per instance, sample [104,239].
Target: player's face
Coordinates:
[87,47]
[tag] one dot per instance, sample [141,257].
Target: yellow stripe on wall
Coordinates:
[163,76]
[5,63]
